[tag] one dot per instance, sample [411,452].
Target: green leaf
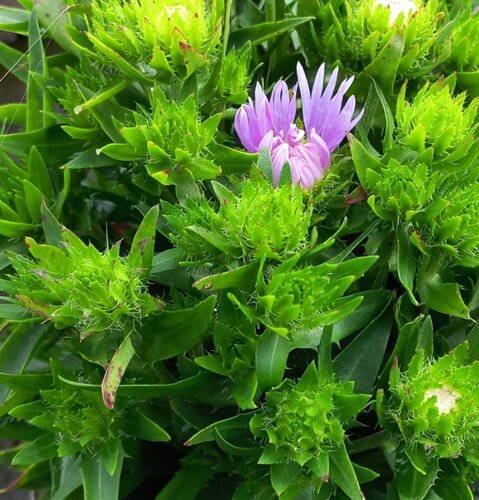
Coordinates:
[242,277]
[361,360]
[38,173]
[207,434]
[406,262]
[231,161]
[43,448]
[13,61]
[363,160]
[388,140]
[25,381]
[14,114]
[38,102]
[53,15]
[271,356]
[233,449]
[452,486]
[187,483]
[442,297]
[128,70]
[138,424]
[97,483]
[384,67]
[33,199]
[262,32]
[283,475]
[342,473]
[51,142]
[120,152]
[171,333]
[115,371]
[15,229]
[51,227]
[109,454]
[411,484]
[204,387]
[90,159]
[142,247]
[17,349]
[70,478]
[14,20]
[373,303]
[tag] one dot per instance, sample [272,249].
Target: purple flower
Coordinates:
[270,124]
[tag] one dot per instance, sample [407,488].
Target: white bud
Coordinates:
[445,398]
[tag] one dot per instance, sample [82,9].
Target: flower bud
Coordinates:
[159,38]
[434,405]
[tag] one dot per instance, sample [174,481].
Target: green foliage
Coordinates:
[438,119]
[258,222]
[158,39]
[171,139]
[303,423]
[75,285]
[433,408]
[191,301]
[235,77]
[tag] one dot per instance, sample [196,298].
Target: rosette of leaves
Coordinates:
[294,299]
[251,222]
[75,285]
[464,44]
[303,425]
[172,141]
[438,124]
[433,409]
[427,181]
[152,39]
[384,39]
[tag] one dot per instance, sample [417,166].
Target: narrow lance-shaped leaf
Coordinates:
[271,356]
[115,371]
[142,248]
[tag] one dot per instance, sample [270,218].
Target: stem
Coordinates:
[368,442]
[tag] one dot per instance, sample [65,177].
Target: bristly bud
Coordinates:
[260,221]
[439,120]
[171,139]
[304,424]
[434,408]
[159,38]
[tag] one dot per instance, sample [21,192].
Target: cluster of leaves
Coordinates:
[300,344]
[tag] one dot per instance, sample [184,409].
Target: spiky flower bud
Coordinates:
[434,405]
[437,119]
[78,286]
[158,38]
[235,75]
[305,423]
[171,139]
[259,221]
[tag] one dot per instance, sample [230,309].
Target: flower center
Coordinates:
[445,398]
[293,136]
[396,8]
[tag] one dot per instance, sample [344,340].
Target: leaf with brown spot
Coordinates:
[115,371]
